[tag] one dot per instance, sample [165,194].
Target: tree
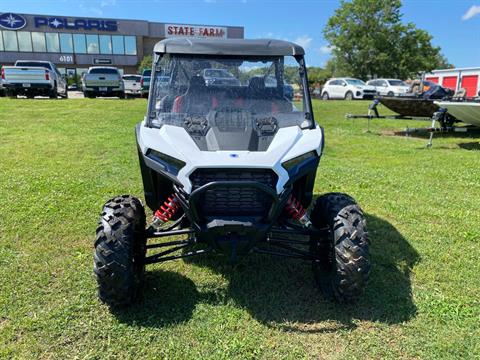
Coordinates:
[317,75]
[368,39]
[146,63]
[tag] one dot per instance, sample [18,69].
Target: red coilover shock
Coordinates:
[168,210]
[297,211]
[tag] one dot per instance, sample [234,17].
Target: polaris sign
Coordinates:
[76,24]
[12,21]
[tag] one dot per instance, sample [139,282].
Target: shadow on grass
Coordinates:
[168,298]
[426,135]
[281,292]
[470,145]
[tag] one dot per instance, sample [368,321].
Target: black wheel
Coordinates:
[120,248]
[11,94]
[349,95]
[53,94]
[30,96]
[390,93]
[343,264]
[325,96]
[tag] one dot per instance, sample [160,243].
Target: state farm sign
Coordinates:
[176,30]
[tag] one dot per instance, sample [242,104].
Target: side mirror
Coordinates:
[344,84]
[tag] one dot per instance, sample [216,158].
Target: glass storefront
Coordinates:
[66,43]
[10,42]
[105,44]
[26,41]
[53,45]
[38,41]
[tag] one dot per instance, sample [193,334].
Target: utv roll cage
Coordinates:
[232,48]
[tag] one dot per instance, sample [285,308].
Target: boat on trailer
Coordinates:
[467,112]
[417,105]
[409,106]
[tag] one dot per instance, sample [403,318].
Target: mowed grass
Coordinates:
[61,160]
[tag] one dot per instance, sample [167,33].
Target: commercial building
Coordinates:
[76,43]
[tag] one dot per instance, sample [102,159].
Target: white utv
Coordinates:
[230,168]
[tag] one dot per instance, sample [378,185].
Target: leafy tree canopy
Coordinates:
[146,63]
[368,39]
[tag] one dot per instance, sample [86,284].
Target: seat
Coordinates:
[257,97]
[197,100]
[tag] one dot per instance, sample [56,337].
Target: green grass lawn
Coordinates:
[61,160]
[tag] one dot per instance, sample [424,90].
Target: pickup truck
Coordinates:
[219,77]
[145,82]
[102,81]
[32,78]
[131,83]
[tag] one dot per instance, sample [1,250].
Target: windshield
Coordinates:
[103,71]
[217,99]
[397,83]
[33,64]
[132,77]
[354,82]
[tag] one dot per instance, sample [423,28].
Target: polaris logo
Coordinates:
[76,24]
[12,21]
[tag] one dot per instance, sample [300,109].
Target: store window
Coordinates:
[10,41]
[38,41]
[24,41]
[117,45]
[130,45]
[53,44]
[79,44]
[105,44]
[66,43]
[92,44]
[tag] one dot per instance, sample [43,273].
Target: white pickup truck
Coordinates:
[102,81]
[132,84]
[32,78]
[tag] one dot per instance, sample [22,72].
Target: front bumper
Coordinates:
[365,95]
[231,234]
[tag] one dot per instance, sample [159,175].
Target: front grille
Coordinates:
[233,200]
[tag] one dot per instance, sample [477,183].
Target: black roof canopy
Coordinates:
[250,47]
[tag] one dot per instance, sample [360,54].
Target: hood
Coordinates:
[366,87]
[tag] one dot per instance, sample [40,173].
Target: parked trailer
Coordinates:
[455,79]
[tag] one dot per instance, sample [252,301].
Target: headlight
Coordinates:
[170,164]
[293,163]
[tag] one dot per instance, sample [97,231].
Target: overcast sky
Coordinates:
[454,24]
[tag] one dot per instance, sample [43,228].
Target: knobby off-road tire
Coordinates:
[120,248]
[344,259]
